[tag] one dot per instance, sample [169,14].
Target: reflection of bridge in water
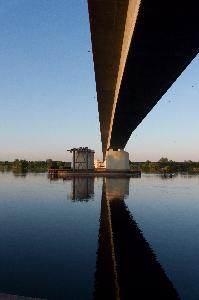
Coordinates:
[126,266]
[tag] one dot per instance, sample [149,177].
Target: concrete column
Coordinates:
[117,160]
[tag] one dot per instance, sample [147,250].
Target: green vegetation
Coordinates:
[162,166]
[166,166]
[37,166]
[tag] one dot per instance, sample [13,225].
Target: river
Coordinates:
[85,238]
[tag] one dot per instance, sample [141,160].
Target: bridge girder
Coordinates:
[139,49]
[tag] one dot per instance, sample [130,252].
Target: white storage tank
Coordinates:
[83,158]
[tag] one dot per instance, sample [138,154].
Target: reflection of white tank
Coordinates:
[83,158]
[117,188]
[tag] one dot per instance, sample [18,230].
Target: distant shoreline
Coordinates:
[163,166]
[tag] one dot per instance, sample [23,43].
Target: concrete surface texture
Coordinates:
[117,160]
[139,49]
[112,23]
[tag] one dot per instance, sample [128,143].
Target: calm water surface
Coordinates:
[55,241]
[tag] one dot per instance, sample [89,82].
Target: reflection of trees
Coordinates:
[19,172]
[126,266]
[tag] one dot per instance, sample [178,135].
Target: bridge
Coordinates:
[140,48]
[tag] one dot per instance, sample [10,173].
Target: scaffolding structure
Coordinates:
[83,158]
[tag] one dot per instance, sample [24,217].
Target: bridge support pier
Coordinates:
[117,160]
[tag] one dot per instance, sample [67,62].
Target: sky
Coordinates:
[48,96]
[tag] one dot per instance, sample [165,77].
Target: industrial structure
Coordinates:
[99,164]
[83,158]
[83,164]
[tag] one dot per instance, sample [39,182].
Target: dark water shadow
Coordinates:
[126,266]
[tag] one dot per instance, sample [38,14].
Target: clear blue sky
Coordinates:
[47,90]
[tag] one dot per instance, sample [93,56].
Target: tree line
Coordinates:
[21,164]
[164,165]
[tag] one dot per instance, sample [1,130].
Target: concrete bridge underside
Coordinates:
[140,48]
